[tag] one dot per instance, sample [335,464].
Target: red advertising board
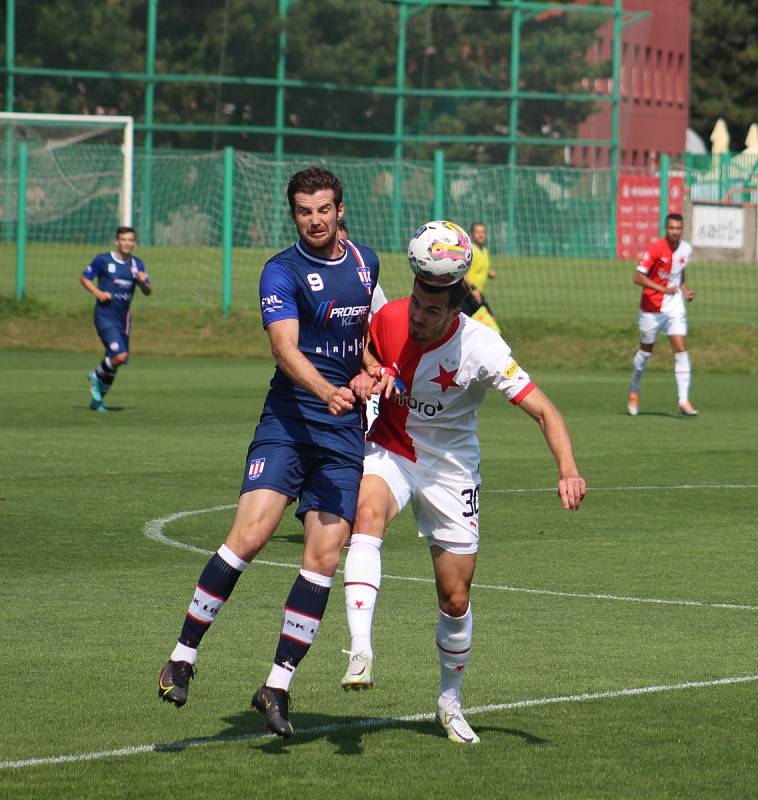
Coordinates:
[637,211]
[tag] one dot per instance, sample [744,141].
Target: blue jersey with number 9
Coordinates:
[331,299]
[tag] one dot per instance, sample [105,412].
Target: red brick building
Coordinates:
[655,69]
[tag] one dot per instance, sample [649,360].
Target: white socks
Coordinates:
[363,577]
[639,362]
[682,373]
[454,635]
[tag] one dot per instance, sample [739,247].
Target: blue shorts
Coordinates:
[115,338]
[323,480]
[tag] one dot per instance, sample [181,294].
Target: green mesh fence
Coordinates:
[548,230]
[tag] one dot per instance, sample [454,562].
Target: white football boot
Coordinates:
[359,673]
[450,718]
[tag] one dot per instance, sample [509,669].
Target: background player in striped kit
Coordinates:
[315,299]
[660,273]
[423,449]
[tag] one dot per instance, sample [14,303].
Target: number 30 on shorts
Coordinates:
[471,500]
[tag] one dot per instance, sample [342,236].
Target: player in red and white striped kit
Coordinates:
[423,450]
[662,308]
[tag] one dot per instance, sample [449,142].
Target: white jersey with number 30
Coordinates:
[433,420]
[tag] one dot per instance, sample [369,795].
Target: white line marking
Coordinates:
[363,724]
[594,489]
[154,530]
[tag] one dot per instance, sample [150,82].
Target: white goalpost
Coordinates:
[51,134]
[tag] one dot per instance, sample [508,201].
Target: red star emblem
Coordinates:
[459,667]
[358,603]
[446,379]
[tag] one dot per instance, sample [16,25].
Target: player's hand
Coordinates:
[363,386]
[387,379]
[341,401]
[477,295]
[103,297]
[688,295]
[671,290]
[572,491]
[492,273]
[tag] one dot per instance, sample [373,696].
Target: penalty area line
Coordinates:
[368,724]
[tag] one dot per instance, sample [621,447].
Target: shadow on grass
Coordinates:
[346,733]
[668,414]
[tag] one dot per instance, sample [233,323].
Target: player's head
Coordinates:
[478,234]
[126,238]
[342,230]
[315,198]
[433,309]
[673,228]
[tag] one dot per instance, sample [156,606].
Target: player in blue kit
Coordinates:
[117,273]
[315,300]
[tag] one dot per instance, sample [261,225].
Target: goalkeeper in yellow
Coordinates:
[475,305]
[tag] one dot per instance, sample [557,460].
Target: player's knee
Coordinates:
[369,518]
[119,359]
[455,603]
[246,539]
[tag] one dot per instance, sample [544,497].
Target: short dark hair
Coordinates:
[476,225]
[124,229]
[312,180]
[674,218]
[456,292]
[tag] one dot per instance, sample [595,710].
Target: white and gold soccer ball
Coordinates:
[440,253]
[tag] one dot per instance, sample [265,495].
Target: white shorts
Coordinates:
[653,322]
[446,509]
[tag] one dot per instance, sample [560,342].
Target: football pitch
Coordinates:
[614,650]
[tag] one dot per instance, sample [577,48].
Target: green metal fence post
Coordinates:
[279,127]
[513,115]
[10,57]
[725,169]
[663,199]
[21,222]
[397,170]
[146,222]
[613,154]
[228,230]
[439,184]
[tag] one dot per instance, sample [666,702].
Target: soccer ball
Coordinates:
[440,253]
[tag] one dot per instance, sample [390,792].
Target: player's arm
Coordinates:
[141,278]
[283,336]
[687,293]
[641,279]
[101,297]
[571,485]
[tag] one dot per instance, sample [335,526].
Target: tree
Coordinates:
[724,59]
[346,43]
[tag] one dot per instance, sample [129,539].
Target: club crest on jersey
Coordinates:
[364,273]
[256,468]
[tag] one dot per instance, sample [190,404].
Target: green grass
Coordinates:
[92,605]
[551,289]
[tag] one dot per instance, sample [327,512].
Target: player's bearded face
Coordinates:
[674,232]
[429,316]
[316,217]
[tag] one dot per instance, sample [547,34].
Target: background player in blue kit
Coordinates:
[117,273]
[315,300]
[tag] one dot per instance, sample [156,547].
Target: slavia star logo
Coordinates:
[446,379]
